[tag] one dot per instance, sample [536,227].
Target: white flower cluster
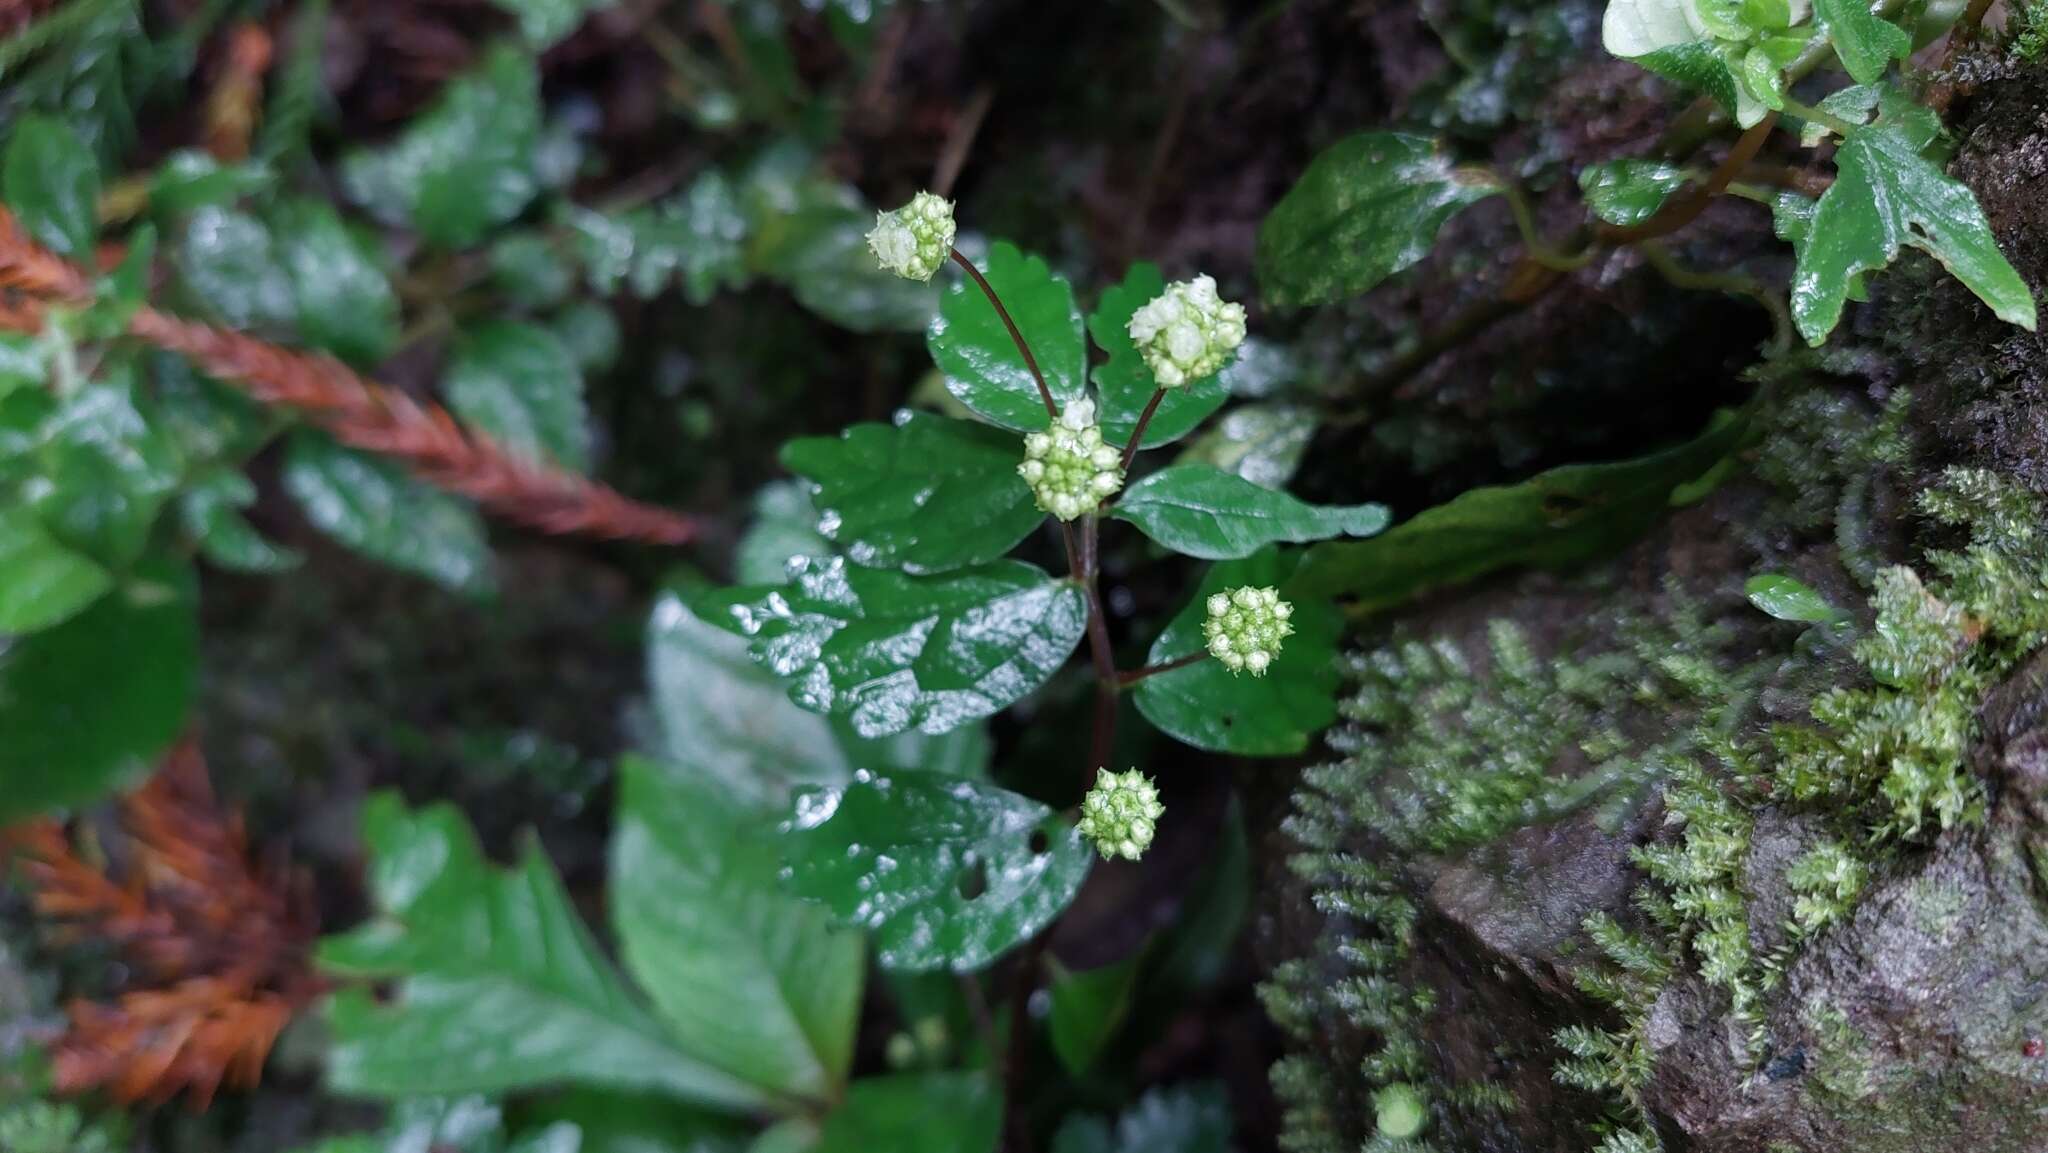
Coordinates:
[1246,627]
[1121,813]
[1070,470]
[913,241]
[1187,332]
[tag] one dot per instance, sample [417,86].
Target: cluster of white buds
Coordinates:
[1187,332]
[1121,813]
[1070,470]
[913,241]
[1246,627]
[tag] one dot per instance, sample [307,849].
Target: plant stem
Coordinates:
[1105,659]
[1680,276]
[1138,433]
[1052,408]
[1133,676]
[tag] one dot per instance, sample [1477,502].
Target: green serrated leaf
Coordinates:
[1200,511]
[893,652]
[916,1113]
[697,238]
[1865,42]
[103,474]
[210,509]
[464,166]
[343,301]
[519,385]
[1791,600]
[189,179]
[369,505]
[51,180]
[746,977]
[89,705]
[1368,207]
[785,525]
[1701,67]
[1555,519]
[982,365]
[1625,193]
[943,873]
[498,986]
[1088,1008]
[1885,195]
[924,494]
[1123,383]
[42,583]
[1275,715]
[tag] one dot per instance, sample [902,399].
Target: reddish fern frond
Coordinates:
[237,97]
[221,948]
[357,412]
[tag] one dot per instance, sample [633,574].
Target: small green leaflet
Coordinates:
[1088,1008]
[42,583]
[1886,194]
[973,348]
[1866,43]
[1201,511]
[51,180]
[895,652]
[785,525]
[1368,207]
[210,509]
[1791,600]
[943,873]
[519,385]
[1271,716]
[1702,67]
[1625,193]
[369,505]
[1124,384]
[924,494]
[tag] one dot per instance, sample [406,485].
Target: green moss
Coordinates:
[2030,42]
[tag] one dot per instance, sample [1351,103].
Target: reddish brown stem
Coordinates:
[1133,676]
[1138,433]
[1052,408]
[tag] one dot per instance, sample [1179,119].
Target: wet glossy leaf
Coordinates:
[90,705]
[189,179]
[1886,194]
[1088,1008]
[369,505]
[343,303]
[895,652]
[1263,443]
[972,347]
[1698,66]
[697,239]
[1183,1119]
[747,977]
[464,166]
[1866,43]
[1124,385]
[42,582]
[1556,519]
[24,361]
[943,873]
[1625,193]
[49,177]
[1368,207]
[1200,511]
[964,752]
[210,509]
[785,525]
[1632,28]
[517,384]
[728,718]
[497,985]
[103,474]
[916,1113]
[229,268]
[1275,715]
[1791,600]
[924,494]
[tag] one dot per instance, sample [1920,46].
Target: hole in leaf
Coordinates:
[973,880]
[1039,841]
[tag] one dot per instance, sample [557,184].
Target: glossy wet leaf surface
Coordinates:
[1275,715]
[916,1113]
[785,525]
[1886,195]
[343,300]
[1263,443]
[103,474]
[1865,42]
[90,704]
[369,505]
[1791,600]
[50,179]
[42,582]
[496,985]
[519,385]
[1628,192]
[942,873]
[971,346]
[1555,519]
[1123,383]
[746,977]
[893,652]
[924,494]
[1200,511]
[211,511]
[1368,207]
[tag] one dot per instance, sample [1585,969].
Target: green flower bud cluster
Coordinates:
[913,241]
[1246,627]
[1070,470]
[1120,814]
[1187,332]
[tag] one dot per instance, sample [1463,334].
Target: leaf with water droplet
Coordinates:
[1201,511]
[894,652]
[983,368]
[367,504]
[944,873]
[925,495]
